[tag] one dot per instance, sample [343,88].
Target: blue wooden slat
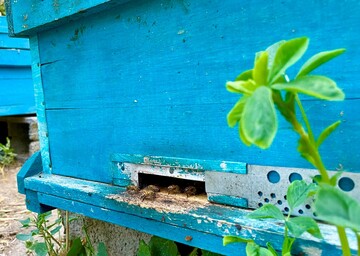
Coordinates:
[217,220]
[16,93]
[157,88]
[37,14]
[202,240]
[6,41]
[40,105]
[196,164]
[14,57]
[15,73]
[3,25]
[31,167]
[13,43]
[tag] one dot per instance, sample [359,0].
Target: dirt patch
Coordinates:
[12,209]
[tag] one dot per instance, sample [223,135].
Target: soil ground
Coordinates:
[12,209]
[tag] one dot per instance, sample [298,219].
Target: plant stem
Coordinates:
[306,120]
[358,241]
[344,241]
[67,231]
[320,166]
[309,137]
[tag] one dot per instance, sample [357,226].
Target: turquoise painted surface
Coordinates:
[130,80]
[29,16]
[31,167]
[206,222]
[228,200]
[134,82]
[16,90]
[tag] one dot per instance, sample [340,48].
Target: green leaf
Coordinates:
[253,249]
[243,87]
[144,249]
[287,54]
[337,208]
[35,232]
[23,237]
[298,192]
[244,76]
[320,87]
[235,113]
[40,249]
[335,177]
[194,252]
[260,72]
[243,138]
[326,132]
[287,245]
[317,60]
[258,121]
[272,49]
[304,148]
[299,225]
[271,249]
[162,247]
[235,239]
[77,248]
[55,230]
[101,250]
[25,223]
[267,211]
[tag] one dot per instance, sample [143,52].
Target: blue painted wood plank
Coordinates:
[202,240]
[150,131]
[31,167]
[10,43]
[196,215]
[40,105]
[30,16]
[16,91]
[160,91]
[185,163]
[6,41]
[3,25]
[14,57]
[228,200]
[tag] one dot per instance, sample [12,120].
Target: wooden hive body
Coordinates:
[142,83]
[16,88]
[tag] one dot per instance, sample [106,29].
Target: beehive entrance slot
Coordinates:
[170,184]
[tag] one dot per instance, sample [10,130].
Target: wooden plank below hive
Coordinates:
[171,216]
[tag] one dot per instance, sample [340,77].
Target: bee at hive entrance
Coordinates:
[171,186]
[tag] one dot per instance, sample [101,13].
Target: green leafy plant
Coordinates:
[294,227]
[45,238]
[163,247]
[266,88]
[7,155]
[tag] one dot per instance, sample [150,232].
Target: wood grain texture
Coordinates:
[133,82]
[16,89]
[27,17]
[40,105]
[210,221]
[31,167]
[147,77]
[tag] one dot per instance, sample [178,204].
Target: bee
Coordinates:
[132,189]
[190,191]
[152,188]
[148,195]
[174,189]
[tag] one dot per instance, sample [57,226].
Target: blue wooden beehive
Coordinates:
[132,92]
[16,88]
